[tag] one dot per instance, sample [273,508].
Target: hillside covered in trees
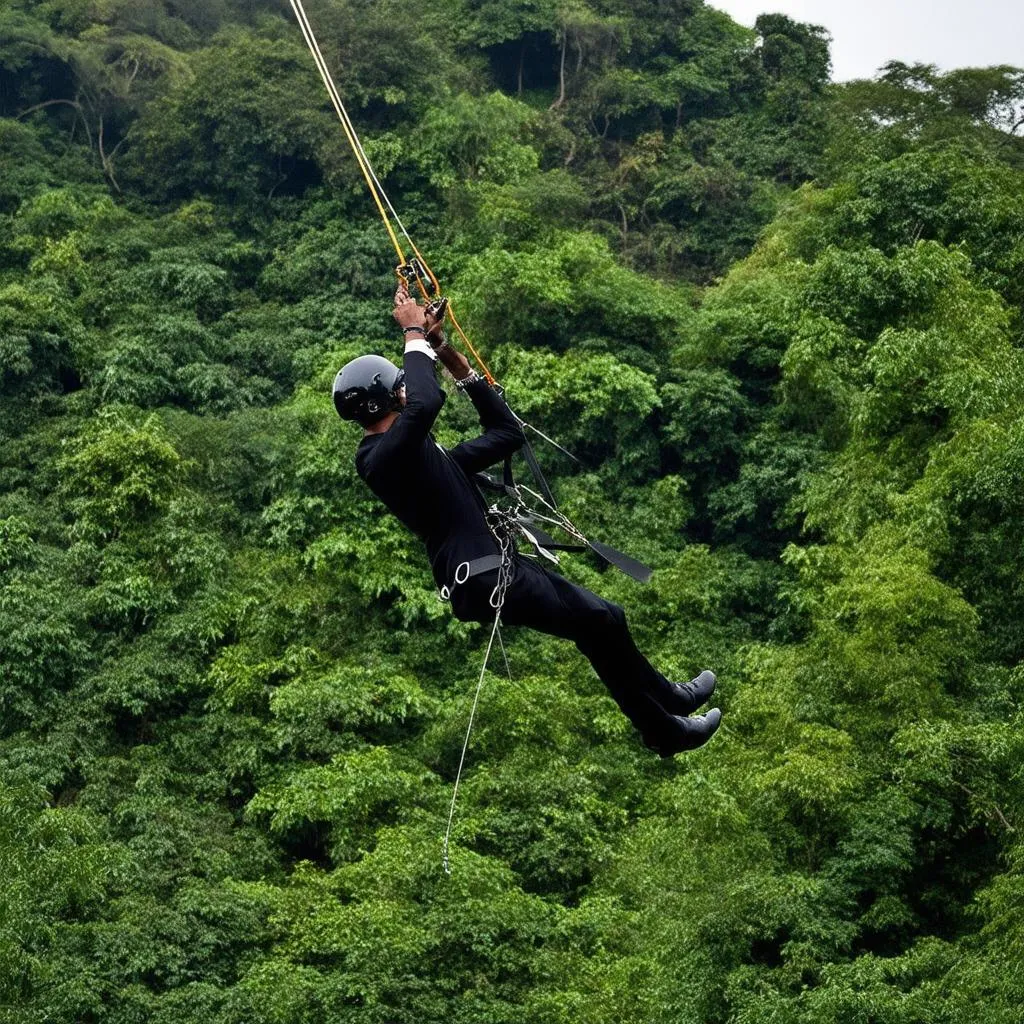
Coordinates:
[780,323]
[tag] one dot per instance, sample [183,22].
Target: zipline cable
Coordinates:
[372,181]
[353,135]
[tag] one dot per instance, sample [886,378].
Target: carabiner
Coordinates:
[415,273]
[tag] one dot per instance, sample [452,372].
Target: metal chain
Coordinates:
[503,526]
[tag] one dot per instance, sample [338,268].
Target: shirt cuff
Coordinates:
[418,345]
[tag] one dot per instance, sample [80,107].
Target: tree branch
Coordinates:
[48,103]
[561,72]
[994,806]
[107,161]
[74,104]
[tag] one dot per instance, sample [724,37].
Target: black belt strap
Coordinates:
[484,564]
[467,570]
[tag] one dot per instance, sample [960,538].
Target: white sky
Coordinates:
[867,33]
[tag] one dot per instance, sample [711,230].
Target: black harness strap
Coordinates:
[542,541]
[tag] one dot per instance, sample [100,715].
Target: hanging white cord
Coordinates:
[465,747]
[508,669]
[495,631]
[506,573]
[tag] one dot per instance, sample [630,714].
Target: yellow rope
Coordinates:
[465,340]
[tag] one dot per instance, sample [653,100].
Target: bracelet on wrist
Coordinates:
[471,378]
[408,330]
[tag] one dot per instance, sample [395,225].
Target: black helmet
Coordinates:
[366,389]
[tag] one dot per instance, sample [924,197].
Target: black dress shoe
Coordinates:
[687,733]
[684,698]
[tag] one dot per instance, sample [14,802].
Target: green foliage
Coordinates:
[599,407]
[569,290]
[911,105]
[472,140]
[119,476]
[247,106]
[34,344]
[777,321]
[43,642]
[54,866]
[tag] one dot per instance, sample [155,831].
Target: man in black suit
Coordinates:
[430,489]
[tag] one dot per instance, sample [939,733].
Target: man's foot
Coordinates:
[685,698]
[687,733]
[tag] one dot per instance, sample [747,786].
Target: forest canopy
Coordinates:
[779,322]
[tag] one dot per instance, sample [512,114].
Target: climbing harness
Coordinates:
[532,525]
[465,571]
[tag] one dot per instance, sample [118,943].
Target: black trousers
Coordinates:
[549,603]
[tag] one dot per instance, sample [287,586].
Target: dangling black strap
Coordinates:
[543,541]
[623,562]
[531,461]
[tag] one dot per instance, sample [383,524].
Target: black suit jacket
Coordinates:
[428,487]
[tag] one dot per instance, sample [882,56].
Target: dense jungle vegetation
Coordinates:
[779,321]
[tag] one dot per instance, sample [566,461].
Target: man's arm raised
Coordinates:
[423,396]
[502,433]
